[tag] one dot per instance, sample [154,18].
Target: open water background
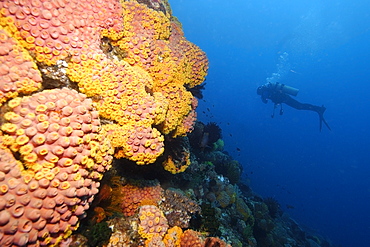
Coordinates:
[323,49]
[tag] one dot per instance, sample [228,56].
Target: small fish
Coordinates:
[238,149]
[208,109]
[289,206]
[231,135]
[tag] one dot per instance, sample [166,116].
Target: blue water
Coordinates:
[320,47]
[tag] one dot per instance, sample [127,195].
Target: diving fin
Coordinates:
[322,119]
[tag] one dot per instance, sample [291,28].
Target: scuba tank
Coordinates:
[284,88]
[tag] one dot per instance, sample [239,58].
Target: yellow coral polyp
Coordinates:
[27,176]
[142,217]
[21,140]
[149,214]
[10,115]
[84,160]
[35,167]
[3,37]
[147,143]
[31,157]
[158,229]
[39,49]
[40,58]
[49,165]
[49,176]
[156,220]
[77,177]
[9,127]
[96,175]
[65,185]
[39,139]
[39,175]
[47,49]
[67,162]
[89,163]
[47,238]
[26,149]
[41,108]
[20,132]
[75,167]
[54,183]
[4,188]
[30,39]
[7,140]
[42,118]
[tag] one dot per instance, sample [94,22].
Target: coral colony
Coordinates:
[96,107]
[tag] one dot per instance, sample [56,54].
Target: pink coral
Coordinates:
[54,127]
[55,134]
[152,222]
[57,29]
[18,72]
[188,121]
[155,241]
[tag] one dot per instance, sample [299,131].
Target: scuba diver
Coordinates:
[279,93]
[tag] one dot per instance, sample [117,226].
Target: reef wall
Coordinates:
[83,82]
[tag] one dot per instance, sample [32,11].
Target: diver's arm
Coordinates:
[264,97]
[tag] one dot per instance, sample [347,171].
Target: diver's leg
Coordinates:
[304,106]
[322,119]
[327,125]
[301,106]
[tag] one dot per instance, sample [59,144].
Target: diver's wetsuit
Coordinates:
[274,93]
[279,97]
